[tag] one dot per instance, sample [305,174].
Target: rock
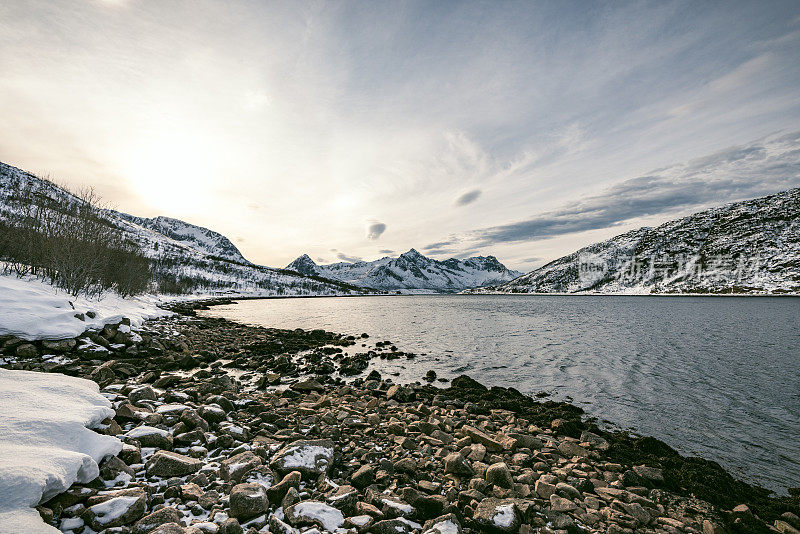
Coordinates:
[481,437]
[310,457]
[59,345]
[150,436]
[783,527]
[565,490]
[27,350]
[112,467]
[457,465]
[570,449]
[560,504]
[248,500]
[544,489]
[363,477]
[446,524]
[499,475]
[118,509]
[314,513]
[500,515]
[391,526]
[400,393]
[168,528]
[237,467]
[230,526]
[307,385]
[159,517]
[277,492]
[649,473]
[171,464]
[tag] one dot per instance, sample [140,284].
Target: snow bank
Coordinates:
[45,442]
[33,309]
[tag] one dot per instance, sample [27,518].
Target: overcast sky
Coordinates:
[358,129]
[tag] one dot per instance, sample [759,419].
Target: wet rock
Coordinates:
[248,500]
[230,526]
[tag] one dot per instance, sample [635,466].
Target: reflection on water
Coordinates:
[716,377]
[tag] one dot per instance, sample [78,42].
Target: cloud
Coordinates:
[733,174]
[468,198]
[375,229]
[530,260]
[439,244]
[344,257]
[386,251]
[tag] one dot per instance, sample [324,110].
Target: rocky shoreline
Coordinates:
[230,429]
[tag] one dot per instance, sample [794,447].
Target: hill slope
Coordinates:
[185,257]
[746,247]
[412,271]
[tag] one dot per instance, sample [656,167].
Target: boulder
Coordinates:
[314,513]
[237,467]
[160,517]
[499,515]
[167,464]
[248,501]
[117,509]
[310,458]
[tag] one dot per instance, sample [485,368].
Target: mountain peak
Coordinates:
[304,265]
[412,253]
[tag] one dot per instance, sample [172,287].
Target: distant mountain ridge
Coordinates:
[748,247]
[411,271]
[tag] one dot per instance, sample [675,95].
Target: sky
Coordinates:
[354,130]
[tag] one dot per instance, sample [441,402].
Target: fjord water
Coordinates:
[715,377]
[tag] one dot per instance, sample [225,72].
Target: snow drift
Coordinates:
[46,443]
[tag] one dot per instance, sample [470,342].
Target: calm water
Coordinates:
[716,377]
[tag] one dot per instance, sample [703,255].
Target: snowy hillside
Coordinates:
[745,247]
[411,271]
[201,239]
[185,257]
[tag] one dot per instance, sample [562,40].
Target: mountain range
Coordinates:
[748,247]
[411,271]
[193,258]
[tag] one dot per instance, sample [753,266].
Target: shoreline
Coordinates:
[540,444]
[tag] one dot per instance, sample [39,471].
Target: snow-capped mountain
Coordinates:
[411,271]
[197,237]
[184,257]
[746,247]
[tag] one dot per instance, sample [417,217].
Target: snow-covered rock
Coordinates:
[745,247]
[411,271]
[46,443]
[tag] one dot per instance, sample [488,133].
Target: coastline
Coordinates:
[545,451]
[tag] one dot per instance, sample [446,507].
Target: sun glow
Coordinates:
[173,175]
